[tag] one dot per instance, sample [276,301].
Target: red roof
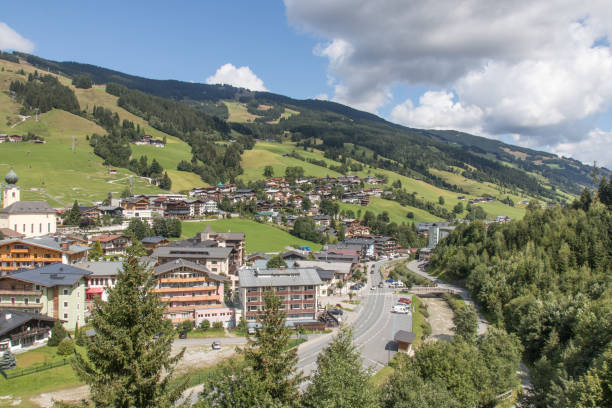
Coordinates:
[94,290]
[105,237]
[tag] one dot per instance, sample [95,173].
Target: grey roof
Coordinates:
[338,267]
[51,275]
[101,268]
[153,240]
[258,255]
[324,256]
[326,275]
[192,252]
[169,266]
[359,241]
[28,207]
[46,242]
[293,253]
[252,278]
[404,336]
[17,319]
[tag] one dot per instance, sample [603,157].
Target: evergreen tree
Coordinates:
[268,171]
[74,215]
[340,380]
[155,169]
[125,360]
[95,253]
[58,333]
[165,183]
[276,262]
[8,360]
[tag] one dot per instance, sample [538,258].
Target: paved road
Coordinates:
[373,328]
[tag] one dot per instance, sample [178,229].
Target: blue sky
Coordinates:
[164,41]
[524,72]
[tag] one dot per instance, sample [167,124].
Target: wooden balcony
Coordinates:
[191,308]
[29,333]
[22,292]
[187,289]
[190,298]
[21,305]
[183,280]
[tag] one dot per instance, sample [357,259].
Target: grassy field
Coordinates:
[45,170]
[259,237]
[44,381]
[271,154]
[238,112]
[397,212]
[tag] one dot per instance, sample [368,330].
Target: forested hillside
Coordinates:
[547,278]
[412,152]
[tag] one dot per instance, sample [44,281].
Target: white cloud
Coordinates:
[322,97]
[241,77]
[11,40]
[436,110]
[517,68]
[596,146]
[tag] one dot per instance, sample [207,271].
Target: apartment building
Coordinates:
[27,253]
[296,287]
[55,290]
[193,293]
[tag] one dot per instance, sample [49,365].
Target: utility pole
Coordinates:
[73,142]
[36,109]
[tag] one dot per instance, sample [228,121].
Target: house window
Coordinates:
[37,287]
[281,288]
[296,297]
[309,287]
[23,227]
[40,227]
[49,227]
[32,228]
[65,315]
[65,304]
[296,307]
[65,291]
[37,300]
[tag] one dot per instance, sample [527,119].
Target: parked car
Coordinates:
[373,288]
[216,345]
[336,312]
[157,336]
[380,285]
[405,300]
[401,309]
[251,330]
[183,335]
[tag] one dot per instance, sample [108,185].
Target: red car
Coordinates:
[405,300]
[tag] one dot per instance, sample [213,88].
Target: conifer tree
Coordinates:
[96,252]
[8,360]
[267,377]
[58,333]
[125,359]
[340,379]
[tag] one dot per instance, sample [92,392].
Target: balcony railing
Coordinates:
[20,305]
[28,333]
[22,292]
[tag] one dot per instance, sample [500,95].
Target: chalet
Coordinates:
[322,220]
[293,255]
[177,209]
[150,243]
[386,246]
[257,256]
[22,330]
[27,253]
[111,244]
[192,293]
[357,231]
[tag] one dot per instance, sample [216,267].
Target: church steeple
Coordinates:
[11,177]
[11,193]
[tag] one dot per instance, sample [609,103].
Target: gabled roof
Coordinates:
[102,268]
[153,240]
[46,242]
[293,253]
[9,233]
[404,336]
[192,252]
[28,207]
[106,237]
[182,263]
[17,319]
[51,275]
[257,255]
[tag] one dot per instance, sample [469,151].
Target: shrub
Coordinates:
[204,325]
[185,326]
[65,348]
[217,325]
[58,333]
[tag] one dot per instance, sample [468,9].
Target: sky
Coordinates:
[535,74]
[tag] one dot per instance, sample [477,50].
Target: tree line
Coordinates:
[546,278]
[44,92]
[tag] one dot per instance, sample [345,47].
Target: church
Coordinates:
[30,218]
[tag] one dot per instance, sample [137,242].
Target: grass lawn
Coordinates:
[238,112]
[201,334]
[418,320]
[381,377]
[43,381]
[397,212]
[259,237]
[271,154]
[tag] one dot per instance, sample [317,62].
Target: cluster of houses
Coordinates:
[207,277]
[148,140]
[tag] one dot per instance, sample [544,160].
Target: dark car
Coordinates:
[336,312]
[183,335]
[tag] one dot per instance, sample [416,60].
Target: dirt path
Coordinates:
[195,357]
[440,318]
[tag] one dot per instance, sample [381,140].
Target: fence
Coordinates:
[14,373]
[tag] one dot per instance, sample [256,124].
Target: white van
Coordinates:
[401,309]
